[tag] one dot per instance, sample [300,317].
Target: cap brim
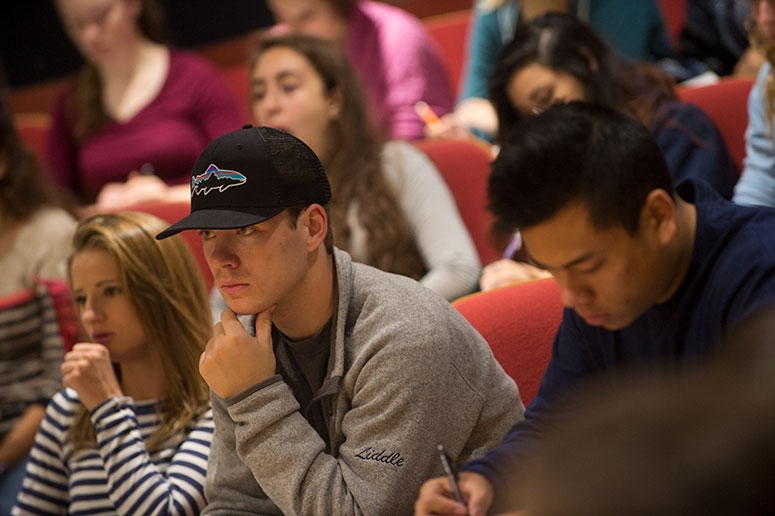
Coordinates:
[218,219]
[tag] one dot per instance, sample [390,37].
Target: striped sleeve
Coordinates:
[120,477]
[167,483]
[45,486]
[31,353]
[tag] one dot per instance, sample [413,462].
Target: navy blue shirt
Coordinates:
[731,273]
[693,147]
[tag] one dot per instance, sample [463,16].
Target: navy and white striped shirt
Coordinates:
[120,477]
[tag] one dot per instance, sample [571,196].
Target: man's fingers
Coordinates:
[264,324]
[230,323]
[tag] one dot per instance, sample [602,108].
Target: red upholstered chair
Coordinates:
[726,103]
[465,164]
[33,129]
[237,77]
[674,15]
[450,32]
[173,212]
[519,322]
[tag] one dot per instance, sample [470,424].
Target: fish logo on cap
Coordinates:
[215,179]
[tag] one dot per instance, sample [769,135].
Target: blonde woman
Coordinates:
[131,431]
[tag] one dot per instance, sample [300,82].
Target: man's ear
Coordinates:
[316,220]
[658,216]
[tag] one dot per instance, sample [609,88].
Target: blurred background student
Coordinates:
[714,37]
[394,56]
[633,28]
[35,232]
[558,58]
[131,431]
[133,123]
[757,182]
[390,207]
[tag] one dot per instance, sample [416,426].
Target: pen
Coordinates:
[445,462]
[425,112]
[146,169]
[513,246]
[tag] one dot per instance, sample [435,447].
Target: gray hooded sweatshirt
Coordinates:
[406,373]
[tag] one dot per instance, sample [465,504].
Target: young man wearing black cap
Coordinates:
[652,277]
[350,378]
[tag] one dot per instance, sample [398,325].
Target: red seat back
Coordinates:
[726,103]
[674,15]
[33,128]
[465,164]
[450,31]
[519,322]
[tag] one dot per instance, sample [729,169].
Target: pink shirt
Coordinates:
[193,107]
[399,64]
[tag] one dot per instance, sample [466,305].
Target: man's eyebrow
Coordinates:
[584,257]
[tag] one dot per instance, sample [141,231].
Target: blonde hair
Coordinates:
[165,287]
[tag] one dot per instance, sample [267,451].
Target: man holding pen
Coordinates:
[652,277]
[334,400]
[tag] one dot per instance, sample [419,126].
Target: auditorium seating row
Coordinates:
[518,321]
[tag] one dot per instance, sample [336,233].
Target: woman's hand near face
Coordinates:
[137,189]
[507,272]
[87,370]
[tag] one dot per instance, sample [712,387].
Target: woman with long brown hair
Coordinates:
[390,206]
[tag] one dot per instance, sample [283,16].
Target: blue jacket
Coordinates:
[693,147]
[731,273]
[757,183]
